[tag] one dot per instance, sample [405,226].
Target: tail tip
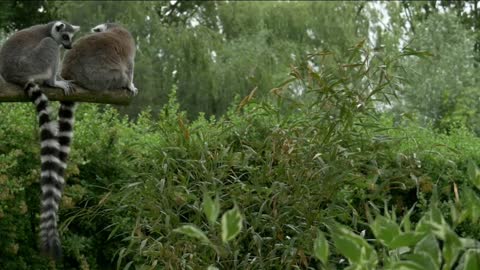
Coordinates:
[52,249]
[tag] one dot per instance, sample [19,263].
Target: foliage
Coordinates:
[214,51]
[431,245]
[444,98]
[467,11]
[250,189]
[314,168]
[16,14]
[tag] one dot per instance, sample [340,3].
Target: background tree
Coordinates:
[447,77]
[213,51]
[467,11]
[20,14]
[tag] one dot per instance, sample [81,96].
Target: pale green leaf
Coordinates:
[407,239]
[320,248]
[356,267]
[472,204]
[192,231]
[422,259]
[433,222]
[436,215]
[423,226]
[127,266]
[407,265]
[352,246]
[429,246]
[468,243]
[348,247]
[211,208]
[474,173]
[472,259]
[143,243]
[406,223]
[232,222]
[385,230]
[451,249]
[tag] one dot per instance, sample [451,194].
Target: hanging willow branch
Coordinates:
[13,93]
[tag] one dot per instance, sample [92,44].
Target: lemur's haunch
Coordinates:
[102,60]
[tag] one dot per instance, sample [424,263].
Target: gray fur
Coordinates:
[32,54]
[103,60]
[29,57]
[96,77]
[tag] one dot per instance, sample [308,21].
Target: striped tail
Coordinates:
[51,180]
[66,120]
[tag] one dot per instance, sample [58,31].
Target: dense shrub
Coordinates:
[156,193]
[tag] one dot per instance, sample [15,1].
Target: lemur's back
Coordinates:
[21,43]
[101,61]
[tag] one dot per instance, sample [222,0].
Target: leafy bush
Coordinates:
[249,190]
[432,244]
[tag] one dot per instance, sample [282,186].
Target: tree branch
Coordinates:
[13,93]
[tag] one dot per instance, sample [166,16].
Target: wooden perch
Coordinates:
[13,93]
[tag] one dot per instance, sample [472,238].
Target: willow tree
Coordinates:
[213,51]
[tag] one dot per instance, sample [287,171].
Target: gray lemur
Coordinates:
[102,60]
[28,58]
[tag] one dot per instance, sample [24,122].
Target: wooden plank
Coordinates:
[13,93]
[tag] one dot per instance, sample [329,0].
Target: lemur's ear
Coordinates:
[99,28]
[59,26]
[75,28]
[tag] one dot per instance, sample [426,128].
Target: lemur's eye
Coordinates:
[65,37]
[96,29]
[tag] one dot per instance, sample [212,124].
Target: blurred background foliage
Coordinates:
[213,51]
[296,113]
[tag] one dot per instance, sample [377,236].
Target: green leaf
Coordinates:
[412,52]
[451,249]
[356,267]
[474,174]
[353,247]
[192,231]
[232,222]
[405,240]
[429,246]
[472,259]
[433,222]
[320,248]
[385,230]
[472,204]
[423,226]
[127,266]
[423,259]
[142,244]
[406,220]
[211,208]
[468,243]
[436,215]
[407,265]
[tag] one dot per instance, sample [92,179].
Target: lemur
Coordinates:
[102,60]
[28,58]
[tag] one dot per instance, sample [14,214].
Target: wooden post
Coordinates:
[13,93]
